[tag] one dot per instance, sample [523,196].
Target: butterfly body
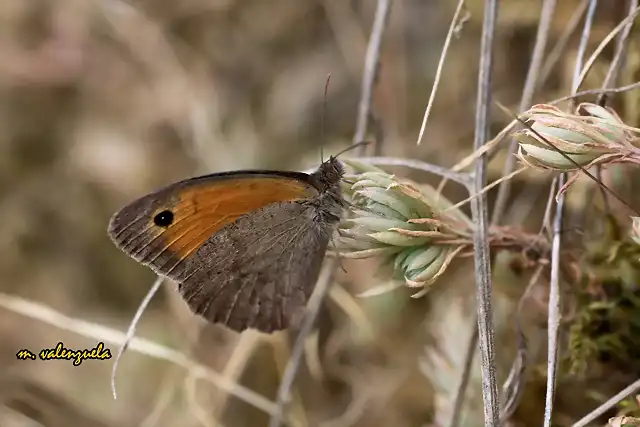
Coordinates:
[246,247]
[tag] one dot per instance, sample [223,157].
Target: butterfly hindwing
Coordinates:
[259,271]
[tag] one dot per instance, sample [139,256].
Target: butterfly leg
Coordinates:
[337,252]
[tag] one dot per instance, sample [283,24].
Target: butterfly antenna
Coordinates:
[351,147]
[324,109]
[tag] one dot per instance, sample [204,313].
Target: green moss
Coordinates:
[606,327]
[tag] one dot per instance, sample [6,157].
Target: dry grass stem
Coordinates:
[479,213]
[460,178]
[602,45]
[613,401]
[147,347]
[131,330]
[554,315]
[489,187]
[436,81]
[370,71]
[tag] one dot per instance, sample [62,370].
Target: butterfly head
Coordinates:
[328,175]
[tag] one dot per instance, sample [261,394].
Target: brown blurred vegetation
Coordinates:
[102,101]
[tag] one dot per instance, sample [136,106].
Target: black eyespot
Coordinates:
[163,219]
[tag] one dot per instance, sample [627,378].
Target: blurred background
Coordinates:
[102,101]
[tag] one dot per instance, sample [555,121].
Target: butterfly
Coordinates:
[245,247]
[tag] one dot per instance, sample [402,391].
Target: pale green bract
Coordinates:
[579,140]
[378,225]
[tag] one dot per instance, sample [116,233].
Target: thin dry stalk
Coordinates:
[531,82]
[600,91]
[554,309]
[479,215]
[600,410]
[620,56]
[461,178]
[603,44]
[443,55]
[609,80]
[579,72]
[487,188]
[290,371]
[131,331]
[370,75]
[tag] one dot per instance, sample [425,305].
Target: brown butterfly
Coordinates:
[246,247]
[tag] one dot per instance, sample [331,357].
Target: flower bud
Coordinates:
[397,220]
[578,140]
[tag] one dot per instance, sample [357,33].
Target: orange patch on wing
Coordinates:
[203,209]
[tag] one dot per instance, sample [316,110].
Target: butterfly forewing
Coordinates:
[165,227]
